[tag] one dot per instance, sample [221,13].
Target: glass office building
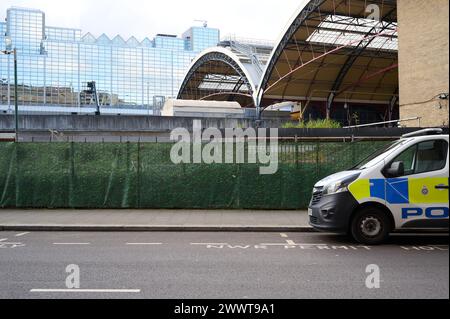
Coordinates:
[55,64]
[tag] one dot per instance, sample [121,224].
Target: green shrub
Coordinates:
[313,124]
[290,125]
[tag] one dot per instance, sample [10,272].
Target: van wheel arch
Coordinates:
[379,206]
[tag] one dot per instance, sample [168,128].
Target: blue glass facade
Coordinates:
[55,64]
[200,38]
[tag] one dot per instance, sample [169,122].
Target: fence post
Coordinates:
[318,159]
[16,179]
[72,174]
[353,144]
[138,180]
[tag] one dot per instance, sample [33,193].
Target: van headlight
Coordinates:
[335,188]
[340,186]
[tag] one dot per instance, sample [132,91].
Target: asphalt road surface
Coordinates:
[219,266]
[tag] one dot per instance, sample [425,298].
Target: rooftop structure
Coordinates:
[335,52]
[229,72]
[336,59]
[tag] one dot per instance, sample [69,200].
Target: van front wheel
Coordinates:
[370,226]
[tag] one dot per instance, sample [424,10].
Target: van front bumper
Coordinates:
[333,212]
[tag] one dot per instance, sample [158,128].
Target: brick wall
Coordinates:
[424,60]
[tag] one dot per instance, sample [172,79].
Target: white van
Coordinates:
[403,186]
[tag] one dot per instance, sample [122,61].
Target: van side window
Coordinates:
[424,157]
[408,158]
[431,156]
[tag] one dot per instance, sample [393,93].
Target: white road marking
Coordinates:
[291,243]
[284,235]
[11,245]
[85,290]
[71,244]
[22,234]
[144,244]
[4,239]
[218,244]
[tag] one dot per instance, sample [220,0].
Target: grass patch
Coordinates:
[313,124]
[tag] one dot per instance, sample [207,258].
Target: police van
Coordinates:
[403,186]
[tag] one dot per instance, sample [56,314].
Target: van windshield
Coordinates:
[379,155]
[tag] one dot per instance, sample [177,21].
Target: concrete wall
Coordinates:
[90,123]
[424,60]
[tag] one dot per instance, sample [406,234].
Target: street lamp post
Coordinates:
[16,102]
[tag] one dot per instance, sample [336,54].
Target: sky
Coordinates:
[257,19]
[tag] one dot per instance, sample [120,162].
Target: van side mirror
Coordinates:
[397,169]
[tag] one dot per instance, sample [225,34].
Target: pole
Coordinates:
[16,102]
[9,84]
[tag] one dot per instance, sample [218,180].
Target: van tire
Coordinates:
[370,226]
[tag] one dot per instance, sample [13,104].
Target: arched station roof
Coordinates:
[333,50]
[219,74]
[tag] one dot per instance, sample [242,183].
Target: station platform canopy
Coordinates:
[219,74]
[332,52]
[335,51]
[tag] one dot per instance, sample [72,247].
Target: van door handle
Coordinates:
[442,187]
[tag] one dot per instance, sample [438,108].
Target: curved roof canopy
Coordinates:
[218,74]
[335,50]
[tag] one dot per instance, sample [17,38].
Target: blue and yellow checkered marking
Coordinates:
[377,188]
[397,191]
[402,190]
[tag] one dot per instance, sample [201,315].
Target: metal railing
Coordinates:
[249,52]
[387,122]
[249,41]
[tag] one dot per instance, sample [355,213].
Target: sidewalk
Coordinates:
[154,220]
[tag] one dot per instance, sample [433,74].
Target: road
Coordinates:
[219,265]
